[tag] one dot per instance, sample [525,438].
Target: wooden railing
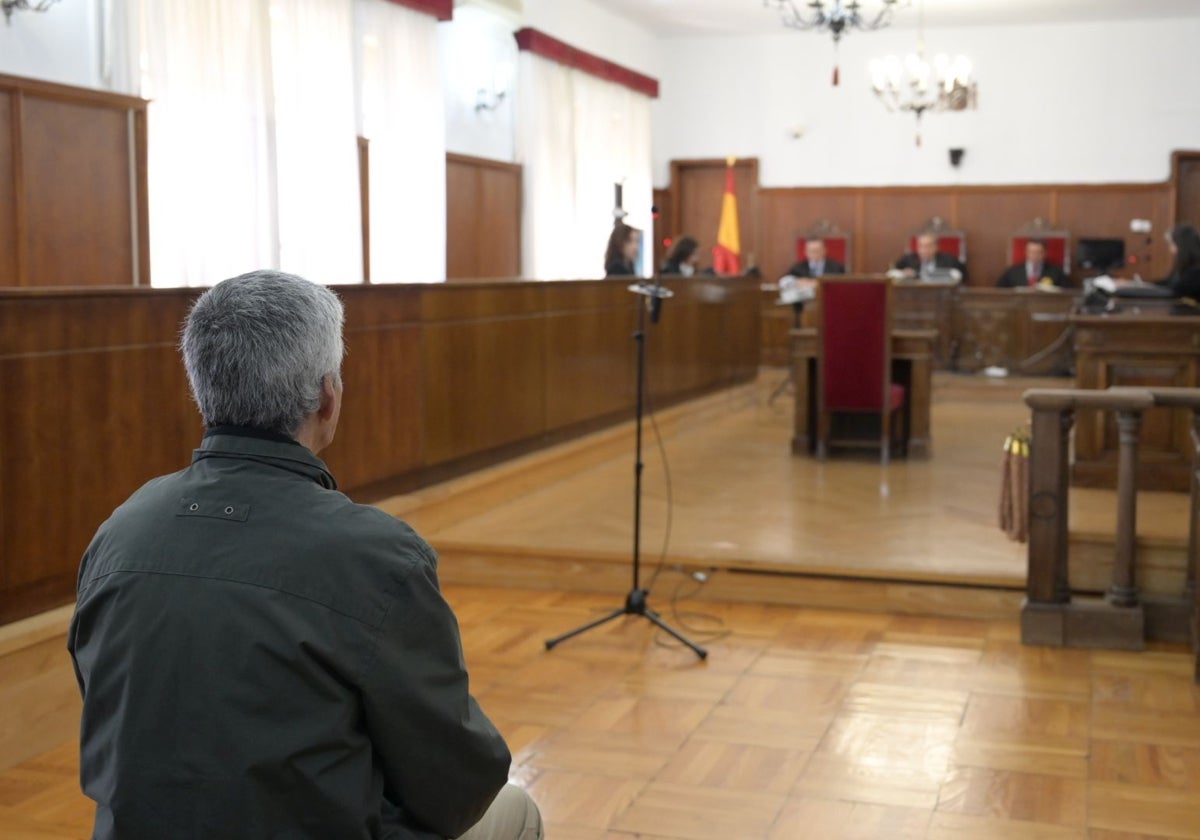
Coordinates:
[1053,614]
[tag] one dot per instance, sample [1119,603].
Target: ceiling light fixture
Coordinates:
[10,6]
[916,85]
[837,19]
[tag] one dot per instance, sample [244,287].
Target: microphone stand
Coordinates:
[635,601]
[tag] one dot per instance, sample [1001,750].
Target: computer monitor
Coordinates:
[1101,254]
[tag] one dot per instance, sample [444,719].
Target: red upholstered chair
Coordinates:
[837,243]
[1058,244]
[854,357]
[950,241]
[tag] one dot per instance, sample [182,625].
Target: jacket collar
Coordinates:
[266,448]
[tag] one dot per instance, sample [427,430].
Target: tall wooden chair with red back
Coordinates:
[837,242]
[854,357]
[1058,244]
[949,240]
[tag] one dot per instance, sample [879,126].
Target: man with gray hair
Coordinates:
[258,655]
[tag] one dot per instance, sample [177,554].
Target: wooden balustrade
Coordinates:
[1055,615]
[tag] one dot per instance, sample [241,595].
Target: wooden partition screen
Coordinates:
[483,218]
[73,190]
[438,379]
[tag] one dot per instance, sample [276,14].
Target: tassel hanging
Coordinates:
[836,61]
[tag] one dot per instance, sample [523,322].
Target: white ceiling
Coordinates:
[714,17]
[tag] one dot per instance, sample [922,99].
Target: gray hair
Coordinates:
[258,347]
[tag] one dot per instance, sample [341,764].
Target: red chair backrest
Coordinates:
[1058,250]
[954,244]
[855,336]
[836,248]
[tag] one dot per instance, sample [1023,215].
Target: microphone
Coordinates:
[656,293]
[656,300]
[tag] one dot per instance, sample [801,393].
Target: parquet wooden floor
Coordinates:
[802,724]
[739,499]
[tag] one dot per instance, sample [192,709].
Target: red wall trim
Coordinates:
[440,9]
[539,43]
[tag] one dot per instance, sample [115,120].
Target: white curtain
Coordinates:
[402,115]
[206,67]
[252,160]
[316,153]
[577,136]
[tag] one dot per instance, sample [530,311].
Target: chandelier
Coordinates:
[837,19]
[916,85]
[10,6]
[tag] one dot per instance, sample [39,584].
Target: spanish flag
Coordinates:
[728,251]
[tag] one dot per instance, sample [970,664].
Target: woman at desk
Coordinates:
[683,258]
[623,245]
[1184,280]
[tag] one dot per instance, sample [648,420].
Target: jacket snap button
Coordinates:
[229,510]
[193,506]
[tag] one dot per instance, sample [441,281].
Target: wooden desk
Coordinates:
[1148,350]
[1019,329]
[912,366]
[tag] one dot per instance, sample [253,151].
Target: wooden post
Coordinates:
[1123,592]
[1194,519]
[1048,487]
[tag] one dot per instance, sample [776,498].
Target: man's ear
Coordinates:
[328,398]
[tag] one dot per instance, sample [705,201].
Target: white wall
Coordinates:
[586,24]
[1094,102]
[477,48]
[478,42]
[59,45]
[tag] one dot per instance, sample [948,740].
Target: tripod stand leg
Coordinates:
[657,621]
[550,643]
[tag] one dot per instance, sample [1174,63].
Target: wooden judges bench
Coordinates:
[1143,348]
[1019,329]
[439,379]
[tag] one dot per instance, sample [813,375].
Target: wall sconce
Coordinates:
[10,6]
[486,100]
[490,96]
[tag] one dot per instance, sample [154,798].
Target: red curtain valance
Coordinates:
[546,46]
[440,9]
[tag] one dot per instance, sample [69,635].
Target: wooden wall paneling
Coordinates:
[786,214]
[890,217]
[590,352]
[103,407]
[462,213]
[380,433]
[98,399]
[500,220]
[1104,210]
[673,346]
[78,196]
[483,347]
[483,218]
[364,202]
[664,226]
[141,151]
[740,331]
[9,276]
[698,190]
[990,217]
[986,329]
[1185,187]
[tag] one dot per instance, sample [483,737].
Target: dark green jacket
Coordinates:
[261,657]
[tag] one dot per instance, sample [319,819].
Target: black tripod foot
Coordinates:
[635,604]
